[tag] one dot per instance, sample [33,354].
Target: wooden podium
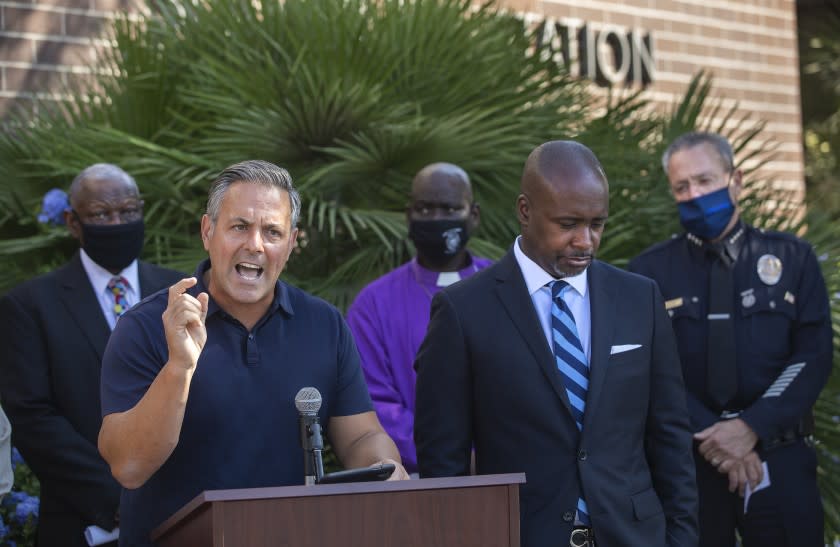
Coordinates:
[481,511]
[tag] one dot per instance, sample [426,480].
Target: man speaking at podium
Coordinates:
[199,382]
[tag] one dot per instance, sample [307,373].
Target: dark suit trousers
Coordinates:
[788,513]
[62,530]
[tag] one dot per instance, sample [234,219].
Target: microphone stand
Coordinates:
[313,445]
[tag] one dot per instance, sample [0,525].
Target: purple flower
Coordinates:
[4,530]
[17,459]
[27,509]
[15,497]
[52,210]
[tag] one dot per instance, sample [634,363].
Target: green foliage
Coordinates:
[823,235]
[353,97]
[819,47]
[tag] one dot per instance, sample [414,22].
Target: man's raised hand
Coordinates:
[183,323]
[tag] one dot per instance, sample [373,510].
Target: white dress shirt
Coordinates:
[537,279]
[99,278]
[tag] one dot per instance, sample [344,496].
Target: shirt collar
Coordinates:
[281,293]
[734,240]
[430,278]
[99,276]
[537,278]
[731,244]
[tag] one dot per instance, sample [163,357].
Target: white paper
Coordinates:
[765,482]
[94,535]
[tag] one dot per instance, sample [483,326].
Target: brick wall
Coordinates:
[749,46]
[48,44]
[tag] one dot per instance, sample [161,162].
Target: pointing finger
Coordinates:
[180,288]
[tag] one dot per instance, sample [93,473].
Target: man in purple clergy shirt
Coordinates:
[389,316]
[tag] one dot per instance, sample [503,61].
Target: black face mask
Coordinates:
[113,246]
[438,240]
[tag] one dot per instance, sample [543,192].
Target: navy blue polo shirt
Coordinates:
[240,426]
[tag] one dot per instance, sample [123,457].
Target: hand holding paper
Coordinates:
[765,482]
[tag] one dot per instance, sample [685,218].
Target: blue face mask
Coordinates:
[707,216]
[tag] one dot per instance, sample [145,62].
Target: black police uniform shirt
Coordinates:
[782,324]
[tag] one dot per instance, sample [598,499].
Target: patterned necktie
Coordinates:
[118,287]
[572,364]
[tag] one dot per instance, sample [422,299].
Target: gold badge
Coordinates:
[673,303]
[789,297]
[769,269]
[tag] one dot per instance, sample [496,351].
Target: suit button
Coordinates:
[582,455]
[568,516]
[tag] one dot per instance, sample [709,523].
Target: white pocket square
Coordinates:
[624,347]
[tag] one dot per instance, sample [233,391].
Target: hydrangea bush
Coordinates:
[19,508]
[53,207]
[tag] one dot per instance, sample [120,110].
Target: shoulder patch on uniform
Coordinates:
[793,244]
[785,236]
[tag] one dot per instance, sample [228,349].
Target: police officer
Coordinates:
[751,315]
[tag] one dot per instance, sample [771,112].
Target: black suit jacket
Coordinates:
[53,333]
[487,379]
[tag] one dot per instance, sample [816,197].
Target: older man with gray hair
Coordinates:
[751,314]
[53,330]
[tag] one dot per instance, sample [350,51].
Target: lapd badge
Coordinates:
[748,298]
[769,269]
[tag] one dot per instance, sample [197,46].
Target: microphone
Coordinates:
[308,403]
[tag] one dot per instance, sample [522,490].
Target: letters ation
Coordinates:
[608,55]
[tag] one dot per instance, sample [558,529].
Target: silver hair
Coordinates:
[99,171]
[252,171]
[695,138]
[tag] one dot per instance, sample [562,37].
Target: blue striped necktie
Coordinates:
[571,362]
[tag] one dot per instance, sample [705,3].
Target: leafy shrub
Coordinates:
[353,97]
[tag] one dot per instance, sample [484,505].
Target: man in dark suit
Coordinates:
[563,367]
[53,330]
